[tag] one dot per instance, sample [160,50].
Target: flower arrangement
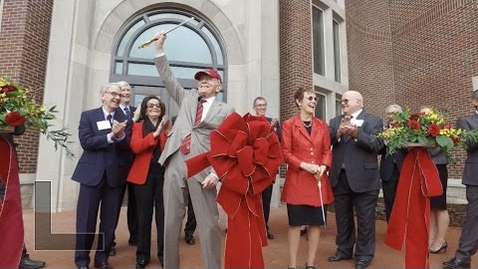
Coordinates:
[425,130]
[18,107]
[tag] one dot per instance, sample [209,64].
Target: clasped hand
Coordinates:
[118,129]
[347,128]
[315,169]
[162,126]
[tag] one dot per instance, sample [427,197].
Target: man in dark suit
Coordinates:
[468,243]
[103,133]
[355,179]
[199,114]
[125,162]
[260,107]
[390,165]
[25,261]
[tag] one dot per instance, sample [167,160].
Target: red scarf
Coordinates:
[11,218]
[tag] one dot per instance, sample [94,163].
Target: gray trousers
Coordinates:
[175,194]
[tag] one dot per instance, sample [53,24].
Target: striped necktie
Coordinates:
[186,143]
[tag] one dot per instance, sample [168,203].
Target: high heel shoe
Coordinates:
[309,266]
[443,247]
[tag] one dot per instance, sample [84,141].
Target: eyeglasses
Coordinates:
[261,105]
[154,105]
[114,94]
[345,101]
[310,98]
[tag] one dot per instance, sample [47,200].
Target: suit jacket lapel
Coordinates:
[100,116]
[300,124]
[211,113]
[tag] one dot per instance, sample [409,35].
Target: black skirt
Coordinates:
[306,215]
[439,202]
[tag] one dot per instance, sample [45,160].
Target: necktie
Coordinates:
[186,143]
[109,118]
[126,111]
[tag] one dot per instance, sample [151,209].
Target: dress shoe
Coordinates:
[456,263]
[442,247]
[189,238]
[338,257]
[269,234]
[83,267]
[360,264]
[27,263]
[103,265]
[141,263]
[112,251]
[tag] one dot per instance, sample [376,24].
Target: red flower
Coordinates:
[414,117]
[433,130]
[413,124]
[447,126]
[9,88]
[395,124]
[455,140]
[14,119]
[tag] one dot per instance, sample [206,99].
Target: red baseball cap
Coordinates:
[210,72]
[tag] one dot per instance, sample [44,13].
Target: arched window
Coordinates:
[192,47]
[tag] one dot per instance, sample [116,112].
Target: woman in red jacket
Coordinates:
[306,149]
[147,142]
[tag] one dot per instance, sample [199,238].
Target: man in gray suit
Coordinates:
[355,179]
[199,114]
[468,244]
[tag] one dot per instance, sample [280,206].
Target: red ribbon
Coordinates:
[11,217]
[410,220]
[245,154]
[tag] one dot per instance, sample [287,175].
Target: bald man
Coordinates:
[355,179]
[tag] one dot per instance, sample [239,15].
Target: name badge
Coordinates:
[357,122]
[103,125]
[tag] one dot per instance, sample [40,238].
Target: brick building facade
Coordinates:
[408,52]
[414,53]
[24,38]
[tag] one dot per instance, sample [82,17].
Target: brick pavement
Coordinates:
[275,254]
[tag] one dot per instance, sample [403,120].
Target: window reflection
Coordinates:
[127,37]
[337,53]
[217,49]
[320,109]
[318,41]
[190,48]
[183,45]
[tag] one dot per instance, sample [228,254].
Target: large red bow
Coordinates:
[245,153]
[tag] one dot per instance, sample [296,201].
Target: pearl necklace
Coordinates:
[307,125]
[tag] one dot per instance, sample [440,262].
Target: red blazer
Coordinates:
[300,187]
[143,150]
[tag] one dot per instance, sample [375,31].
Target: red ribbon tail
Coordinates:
[11,217]
[196,164]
